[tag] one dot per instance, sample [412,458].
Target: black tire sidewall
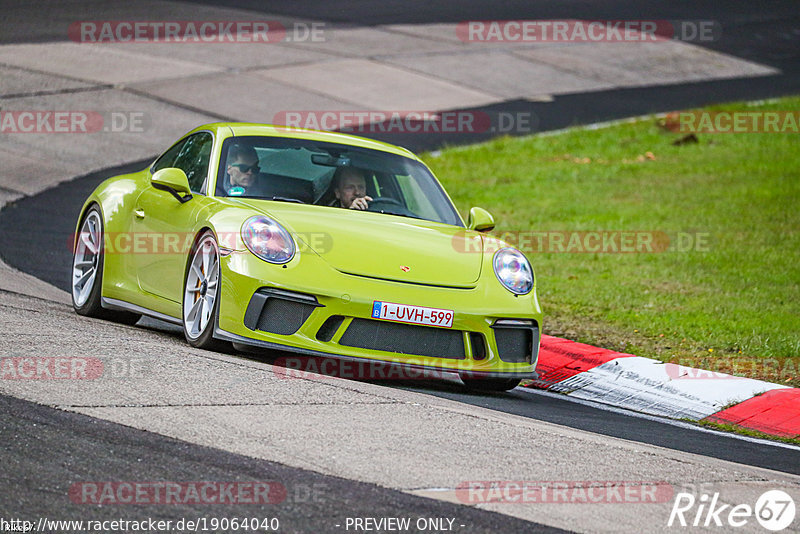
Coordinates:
[489,385]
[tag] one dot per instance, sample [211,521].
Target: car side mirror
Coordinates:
[480,220]
[173,181]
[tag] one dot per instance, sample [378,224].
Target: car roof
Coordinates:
[239,129]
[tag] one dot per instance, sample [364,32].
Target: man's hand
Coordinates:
[360,203]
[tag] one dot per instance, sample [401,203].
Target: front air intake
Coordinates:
[278,312]
[517,340]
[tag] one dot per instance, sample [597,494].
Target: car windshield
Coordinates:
[330,175]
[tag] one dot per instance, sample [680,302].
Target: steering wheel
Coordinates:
[380,205]
[385,200]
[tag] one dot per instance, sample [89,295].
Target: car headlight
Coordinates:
[513,270]
[267,239]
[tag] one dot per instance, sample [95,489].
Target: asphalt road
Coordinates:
[47,452]
[768,35]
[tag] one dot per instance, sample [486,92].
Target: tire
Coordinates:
[490,384]
[87,272]
[201,285]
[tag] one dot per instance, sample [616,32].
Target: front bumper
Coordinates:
[310,308]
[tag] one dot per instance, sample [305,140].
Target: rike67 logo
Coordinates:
[774,510]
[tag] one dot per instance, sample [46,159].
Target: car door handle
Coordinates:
[139,213]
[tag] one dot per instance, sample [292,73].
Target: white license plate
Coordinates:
[404,313]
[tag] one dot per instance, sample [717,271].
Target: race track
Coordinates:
[340,449]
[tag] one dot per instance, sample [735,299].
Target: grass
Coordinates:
[746,432]
[731,304]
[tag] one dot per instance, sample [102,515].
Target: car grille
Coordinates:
[404,339]
[282,312]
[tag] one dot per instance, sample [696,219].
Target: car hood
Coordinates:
[383,246]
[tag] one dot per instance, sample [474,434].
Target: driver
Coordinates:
[350,188]
[243,171]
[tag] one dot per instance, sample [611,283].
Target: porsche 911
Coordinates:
[319,243]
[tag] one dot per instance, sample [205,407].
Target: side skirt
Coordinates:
[121,305]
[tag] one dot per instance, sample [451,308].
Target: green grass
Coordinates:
[746,432]
[732,306]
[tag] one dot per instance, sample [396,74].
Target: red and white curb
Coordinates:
[665,389]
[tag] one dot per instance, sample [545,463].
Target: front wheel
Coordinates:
[201,294]
[87,272]
[490,384]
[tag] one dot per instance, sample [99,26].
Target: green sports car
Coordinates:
[320,243]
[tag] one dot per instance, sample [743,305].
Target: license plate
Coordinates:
[404,313]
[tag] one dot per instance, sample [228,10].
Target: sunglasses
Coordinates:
[245,168]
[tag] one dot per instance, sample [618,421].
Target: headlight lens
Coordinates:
[513,270]
[267,239]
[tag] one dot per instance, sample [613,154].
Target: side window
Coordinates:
[193,159]
[373,186]
[415,197]
[168,158]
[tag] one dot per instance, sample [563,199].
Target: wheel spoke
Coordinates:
[201,320]
[206,258]
[198,273]
[213,276]
[196,307]
[84,277]
[191,317]
[94,231]
[77,274]
[214,272]
[87,240]
[207,307]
